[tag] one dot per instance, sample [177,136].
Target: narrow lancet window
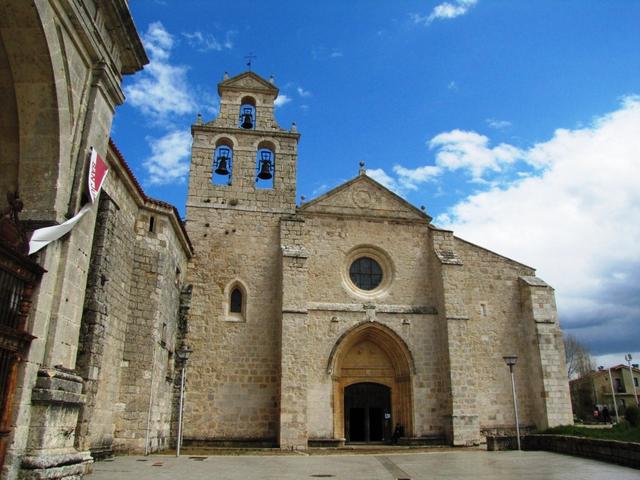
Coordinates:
[235,305]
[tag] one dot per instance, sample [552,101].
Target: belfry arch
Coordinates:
[371,353]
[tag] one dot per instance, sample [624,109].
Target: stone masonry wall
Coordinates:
[130,320]
[66,86]
[233,377]
[147,367]
[407,308]
[104,323]
[498,325]
[243,193]
[551,391]
[464,427]
[293,432]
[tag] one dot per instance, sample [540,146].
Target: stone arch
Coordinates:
[31,126]
[270,143]
[372,353]
[227,140]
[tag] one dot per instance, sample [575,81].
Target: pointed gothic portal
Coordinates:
[367,412]
[372,369]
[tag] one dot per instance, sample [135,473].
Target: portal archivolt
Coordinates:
[372,353]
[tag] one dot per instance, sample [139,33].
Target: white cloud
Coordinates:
[169,160]
[228,38]
[380,176]
[158,41]
[470,151]
[457,149]
[203,42]
[281,100]
[303,93]
[617,358]
[577,222]
[409,178]
[445,11]
[452,85]
[161,89]
[498,124]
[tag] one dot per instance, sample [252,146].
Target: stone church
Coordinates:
[351,314]
[343,319]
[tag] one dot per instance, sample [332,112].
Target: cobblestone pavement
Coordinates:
[445,465]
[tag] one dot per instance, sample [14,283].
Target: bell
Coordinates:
[265,170]
[247,121]
[222,168]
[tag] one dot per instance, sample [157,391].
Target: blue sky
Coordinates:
[516,123]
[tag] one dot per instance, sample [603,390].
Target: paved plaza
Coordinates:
[459,464]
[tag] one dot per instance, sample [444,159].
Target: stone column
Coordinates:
[293,384]
[552,403]
[465,423]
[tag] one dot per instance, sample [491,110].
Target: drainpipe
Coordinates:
[628,358]
[148,432]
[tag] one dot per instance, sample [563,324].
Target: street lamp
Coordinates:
[183,355]
[510,360]
[628,358]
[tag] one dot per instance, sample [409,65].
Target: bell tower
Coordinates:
[242,185]
[243,159]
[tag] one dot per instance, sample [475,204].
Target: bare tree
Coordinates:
[578,358]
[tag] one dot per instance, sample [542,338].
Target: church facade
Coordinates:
[349,317]
[316,324]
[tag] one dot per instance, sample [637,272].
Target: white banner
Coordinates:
[97,173]
[44,236]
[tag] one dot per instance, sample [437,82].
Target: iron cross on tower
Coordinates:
[249,59]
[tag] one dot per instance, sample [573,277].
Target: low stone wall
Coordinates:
[502,442]
[612,451]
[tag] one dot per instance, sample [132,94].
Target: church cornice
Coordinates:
[364,216]
[236,131]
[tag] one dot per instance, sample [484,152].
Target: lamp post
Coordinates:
[183,355]
[628,358]
[510,360]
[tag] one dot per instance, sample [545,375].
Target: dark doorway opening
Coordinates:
[367,412]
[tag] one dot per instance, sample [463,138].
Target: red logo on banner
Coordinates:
[97,172]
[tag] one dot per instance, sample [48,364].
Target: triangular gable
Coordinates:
[247,82]
[363,196]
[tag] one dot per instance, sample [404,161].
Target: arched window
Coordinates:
[265,165]
[247,119]
[222,162]
[235,304]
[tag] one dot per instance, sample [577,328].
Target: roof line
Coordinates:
[147,199]
[376,183]
[494,253]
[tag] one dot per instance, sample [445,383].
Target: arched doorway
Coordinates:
[371,368]
[367,412]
